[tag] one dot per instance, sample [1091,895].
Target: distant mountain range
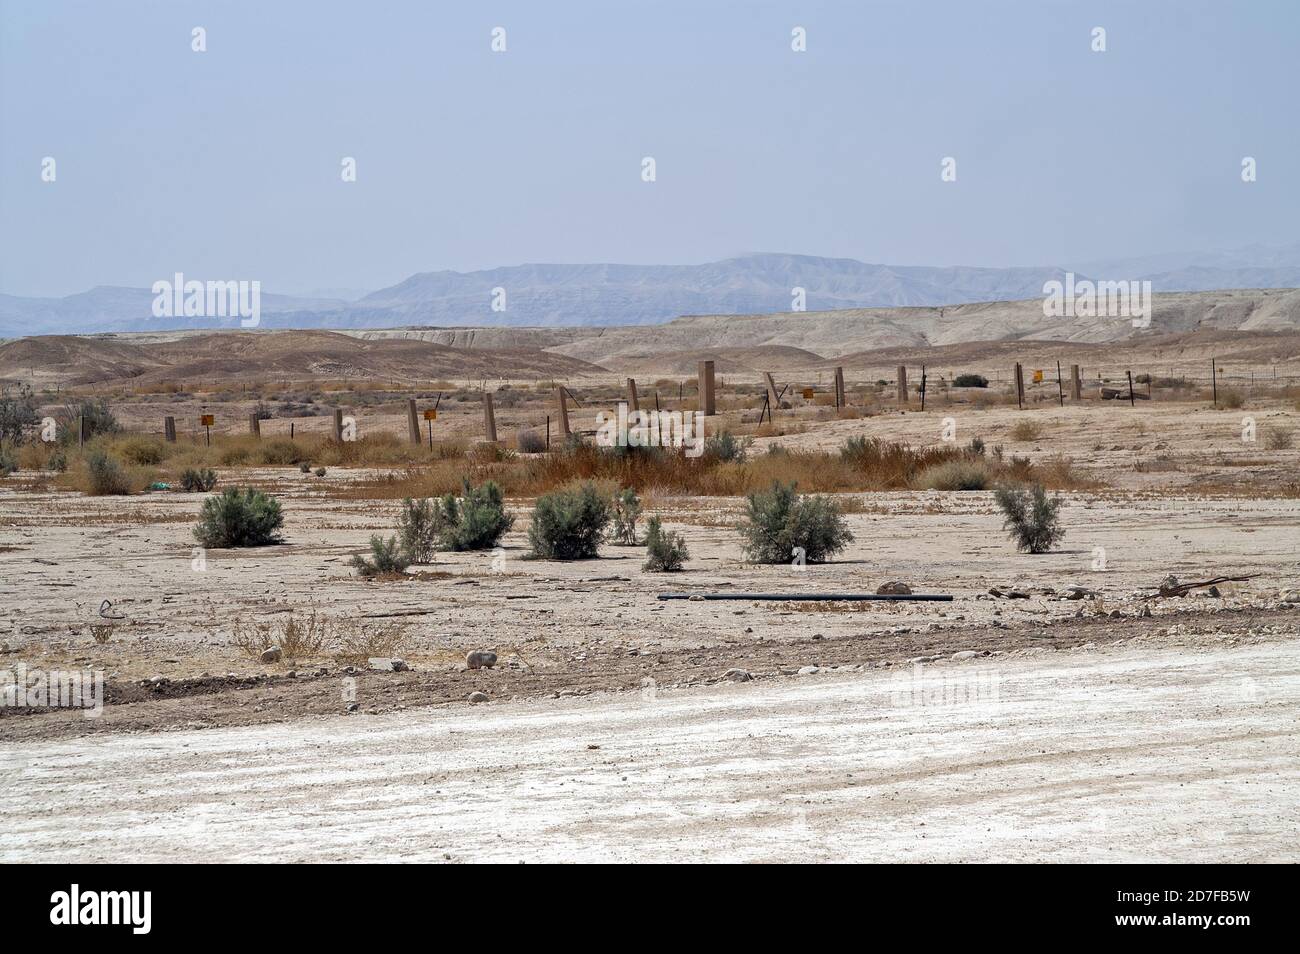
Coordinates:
[605,295]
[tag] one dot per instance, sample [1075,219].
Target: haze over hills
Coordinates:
[613,295]
[1261,326]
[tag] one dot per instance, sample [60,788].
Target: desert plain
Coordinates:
[1059,707]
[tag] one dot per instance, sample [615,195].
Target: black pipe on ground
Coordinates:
[859,597]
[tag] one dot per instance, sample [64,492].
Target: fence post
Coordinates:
[169,430]
[839,388]
[632,401]
[562,402]
[773,401]
[489,419]
[704,374]
[338,425]
[902,384]
[1020,386]
[412,421]
[1076,383]
[254,424]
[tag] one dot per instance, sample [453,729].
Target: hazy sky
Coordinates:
[226,164]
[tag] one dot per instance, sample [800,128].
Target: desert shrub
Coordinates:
[956,475]
[235,456]
[1278,438]
[278,453]
[530,442]
[568,523]
[57,462]
[98,419]
[201,480]
[320,471]
[475,521]
[976,447]
[779,521]
[355,643]
[725,446]
[144,451]
[1231,399]
[417,530]
[386,557]
[1031,517]
[296,639]
[970,381]
[239,518]
[627,510]
[105,476]
[887,464]
[8,462]
[304,468]
[665,551]
[1026,431]
[17,413]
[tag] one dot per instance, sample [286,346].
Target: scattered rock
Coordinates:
[1214,593]
[480,659]
[1146,611]
[965,654]
[353,707]
[478,697]
[383,664]
[737,675]
[271,655]
[894,588]
[809,670]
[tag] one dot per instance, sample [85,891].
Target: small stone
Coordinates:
[1146,611]
[737,675]
[353,707]
[965,654]
[271,655]
[480,659]
[478,697]
[1214,593]
[894,588]
[384,664]
[809,670]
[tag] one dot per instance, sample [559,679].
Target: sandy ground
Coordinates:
[1117,756]
[1115,727]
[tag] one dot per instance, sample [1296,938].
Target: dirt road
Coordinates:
[1115,755]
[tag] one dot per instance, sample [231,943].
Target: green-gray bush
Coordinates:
[107,478]
[477,520]
[239,518]
[417,530]
[665,551]
[780,521]
[568,523]
[1031,517]
[386,556]
[727,447]
[198,481]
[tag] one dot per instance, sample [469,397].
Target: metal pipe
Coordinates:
[858,597]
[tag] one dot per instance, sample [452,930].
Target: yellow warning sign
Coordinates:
[1038,377]
[207,420]
[430,415]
